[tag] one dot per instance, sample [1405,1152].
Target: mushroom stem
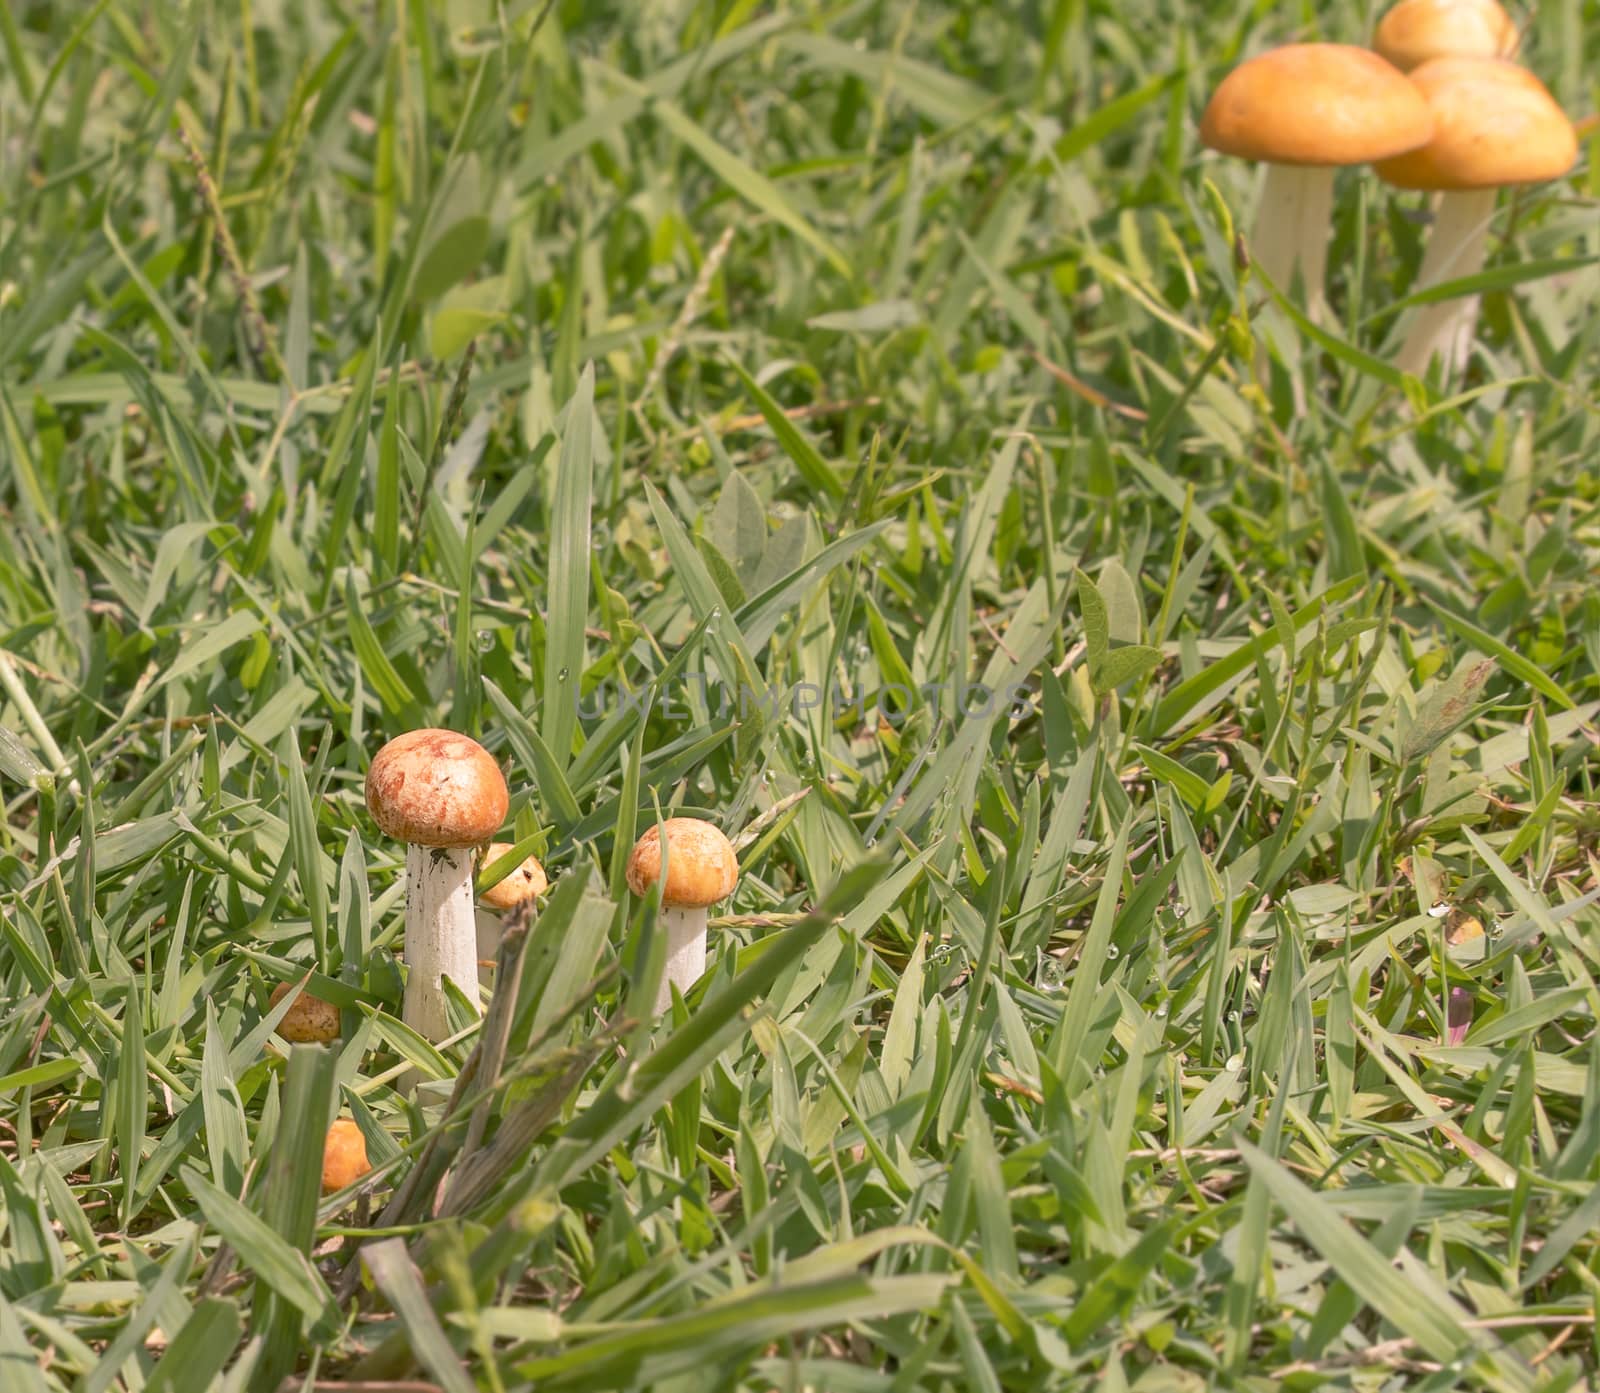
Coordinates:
[1291,230]
[489,931]
[686,951]
[441,935]
[1457,247]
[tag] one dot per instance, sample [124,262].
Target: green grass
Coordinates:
[1093,1035]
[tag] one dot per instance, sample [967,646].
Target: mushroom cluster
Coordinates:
[443,795]
[1436,105]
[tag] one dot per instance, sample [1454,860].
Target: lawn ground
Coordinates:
[841,423]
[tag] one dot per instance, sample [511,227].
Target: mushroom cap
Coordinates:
[1316,104]
[701,866]
[344,1156]
[525,883]
[1494,124]
[1415,31]
[437,788]
[309,1020]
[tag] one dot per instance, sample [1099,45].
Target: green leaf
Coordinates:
[1120,593]
[1508,658]
[1503,277]
[1346,555]
[748,183]
[1207,685]
[397,1278]
[277,1246]
[454,253]
[738,528]
[17,762]
[1096,622]
[226,1135]
[1415,1307]
[549,772]
[199,1349]
[451,328]
[649,1352]
[1088,131]
[1445,709]
[568,543]
[39,1075]
[277,1265]
[129,1338]
[720,1016]
[1343,350]
[815,470]
[305,848]
[380,674]
[1124,665]
[131,1099]
[933,90]
[1191,787]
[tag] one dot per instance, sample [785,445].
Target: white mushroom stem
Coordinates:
[490,931]
[441,935]
[1457,247]
[1291,230]
[686,951]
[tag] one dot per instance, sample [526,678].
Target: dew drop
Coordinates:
[1162,1009]
[562,675]
[486,641]
[1235,1061]
[1233,1015]
[862,652]
[871,842]
[1180,910]
[1112,951]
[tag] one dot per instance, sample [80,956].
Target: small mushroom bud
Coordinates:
[1415,32]
[344,1156]
[309,1020]
[527,882]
